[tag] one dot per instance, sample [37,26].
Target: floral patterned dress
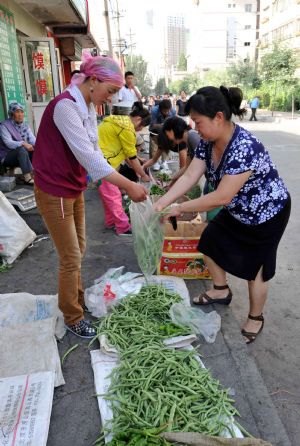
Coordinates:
[245,234]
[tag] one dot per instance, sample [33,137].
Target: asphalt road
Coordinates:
[277,351]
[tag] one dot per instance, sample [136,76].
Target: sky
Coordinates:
[148,41]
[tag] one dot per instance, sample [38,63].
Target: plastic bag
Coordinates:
[206,324]
[148,236]
[109,289]
[15,235]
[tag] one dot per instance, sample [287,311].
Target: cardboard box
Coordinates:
[180,256]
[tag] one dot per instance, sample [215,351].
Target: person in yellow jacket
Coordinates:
[117,139]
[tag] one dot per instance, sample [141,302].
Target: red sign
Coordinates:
[41,87]
[38,61]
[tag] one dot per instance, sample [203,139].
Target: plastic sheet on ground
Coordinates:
[25,409]
[103,365]
[20,308]
[30,348]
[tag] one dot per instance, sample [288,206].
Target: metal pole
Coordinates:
[107,23]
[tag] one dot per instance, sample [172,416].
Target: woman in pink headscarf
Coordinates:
[66,149]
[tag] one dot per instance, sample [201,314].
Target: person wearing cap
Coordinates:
[66,149]
[17,142]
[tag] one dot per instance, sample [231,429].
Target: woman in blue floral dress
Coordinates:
[243,238]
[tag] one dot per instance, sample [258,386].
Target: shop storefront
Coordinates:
[35,59]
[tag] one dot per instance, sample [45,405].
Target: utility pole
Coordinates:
[108,32]
[131,44]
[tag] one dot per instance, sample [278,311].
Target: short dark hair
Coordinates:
[165,104]
[208,101]
[138,109]
[178,125]
[129,73]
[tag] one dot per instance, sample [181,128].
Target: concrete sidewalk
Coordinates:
[75,419]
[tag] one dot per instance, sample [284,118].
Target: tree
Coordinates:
[243,74]
[189,84]
[277,69]
[139,67]
[161,87]
[182,63]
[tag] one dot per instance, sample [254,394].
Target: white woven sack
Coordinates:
[15,234]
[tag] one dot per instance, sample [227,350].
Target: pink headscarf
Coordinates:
[104,68]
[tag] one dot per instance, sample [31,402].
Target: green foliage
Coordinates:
[182,63]
[160,87]
[277,70]
[243,74]
[139,67]
[216,78]
[190,83]
[279,65]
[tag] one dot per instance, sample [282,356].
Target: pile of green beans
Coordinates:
[157,387]
[141,318]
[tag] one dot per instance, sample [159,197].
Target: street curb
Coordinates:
[230,355]
[263,410]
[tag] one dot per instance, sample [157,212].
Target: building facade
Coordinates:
[176,39]
[222,33]
[280,23]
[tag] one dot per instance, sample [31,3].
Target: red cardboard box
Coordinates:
[180,256]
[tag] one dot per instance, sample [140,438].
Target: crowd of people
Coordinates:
[243,237]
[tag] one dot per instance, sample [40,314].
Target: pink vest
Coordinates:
[56,170]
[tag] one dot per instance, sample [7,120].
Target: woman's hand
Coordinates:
[169,211]
[136,192]
[28,147]
[145,178]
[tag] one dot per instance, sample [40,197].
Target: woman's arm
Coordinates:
[7,139]
[229,186]
[31,137]
[190,177]
[182,158]
[153,160]
[138,168]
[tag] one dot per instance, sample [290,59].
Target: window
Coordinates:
[247,26]
[229,5]
[246,43]
[233,5]
[248,7]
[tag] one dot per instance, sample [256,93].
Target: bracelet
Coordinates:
[99,182]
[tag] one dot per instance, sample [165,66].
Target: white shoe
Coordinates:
[156,167]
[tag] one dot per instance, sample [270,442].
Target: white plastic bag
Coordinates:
[15,234]
[206,324]
[148,236]
[109,289]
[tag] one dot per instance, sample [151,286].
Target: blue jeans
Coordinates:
[19,157]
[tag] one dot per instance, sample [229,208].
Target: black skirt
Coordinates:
[241,249]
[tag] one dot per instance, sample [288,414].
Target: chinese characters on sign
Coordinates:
[39,70]
[9,57]
[38,61]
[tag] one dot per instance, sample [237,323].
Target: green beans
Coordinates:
[142,318]
[156,387]
[162,392]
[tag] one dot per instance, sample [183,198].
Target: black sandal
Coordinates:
[209,300]
[250,335]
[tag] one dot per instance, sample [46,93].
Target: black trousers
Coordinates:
[253,114]
[19,157]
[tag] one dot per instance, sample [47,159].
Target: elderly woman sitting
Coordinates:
[17,142]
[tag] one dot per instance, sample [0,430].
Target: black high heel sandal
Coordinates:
[250,335]
[209,300]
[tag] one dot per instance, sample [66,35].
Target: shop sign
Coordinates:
[39,70]
[11,70]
